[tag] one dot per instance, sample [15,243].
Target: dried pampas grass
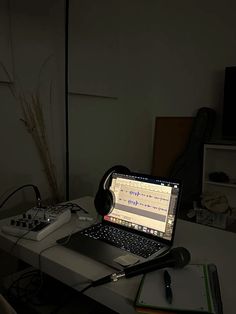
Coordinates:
[34,122]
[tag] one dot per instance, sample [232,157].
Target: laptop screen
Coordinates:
[145,203]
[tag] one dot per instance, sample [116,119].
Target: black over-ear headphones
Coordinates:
[104,200]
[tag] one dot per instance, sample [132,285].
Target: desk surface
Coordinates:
[206,245]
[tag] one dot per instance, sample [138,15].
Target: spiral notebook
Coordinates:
[195,289]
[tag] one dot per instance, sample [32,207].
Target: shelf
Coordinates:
[227,185]
[220,159]
[224,147]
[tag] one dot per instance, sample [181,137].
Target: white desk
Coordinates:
[206,245]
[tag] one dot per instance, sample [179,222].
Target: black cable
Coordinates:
[28,292]
[73,207]
[41,252]
[86,288]
[16,284]
[36,190]
[27,288]
[24,234]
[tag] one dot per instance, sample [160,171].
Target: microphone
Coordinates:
[176,258]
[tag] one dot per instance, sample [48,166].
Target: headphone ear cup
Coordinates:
[103,202]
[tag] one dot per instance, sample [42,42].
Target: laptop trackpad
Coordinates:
[126,260]
[100,251]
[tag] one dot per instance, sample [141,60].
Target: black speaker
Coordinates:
[229,106]
[104,199]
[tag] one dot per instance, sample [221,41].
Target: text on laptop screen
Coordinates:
[144,203]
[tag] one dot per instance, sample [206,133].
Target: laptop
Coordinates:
[140,227]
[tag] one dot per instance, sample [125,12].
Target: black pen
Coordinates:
[168,290]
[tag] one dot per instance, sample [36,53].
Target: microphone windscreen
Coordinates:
[181,256]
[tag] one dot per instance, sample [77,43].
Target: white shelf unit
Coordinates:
[220,158]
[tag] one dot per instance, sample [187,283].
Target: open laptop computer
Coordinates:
[145,211]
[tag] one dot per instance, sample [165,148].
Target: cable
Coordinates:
[86,288]
[67,297]
[24,287]
[36,190]
[66,241]
[73,207]
[40,254]
[23,235]
[67,205]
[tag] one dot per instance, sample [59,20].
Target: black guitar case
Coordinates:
[188,167]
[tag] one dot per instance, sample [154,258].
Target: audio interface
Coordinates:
[37,222]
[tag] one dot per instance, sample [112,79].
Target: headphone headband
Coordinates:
[106,177]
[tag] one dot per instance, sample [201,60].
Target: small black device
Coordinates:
[104,198]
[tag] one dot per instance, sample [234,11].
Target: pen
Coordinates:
[168,290]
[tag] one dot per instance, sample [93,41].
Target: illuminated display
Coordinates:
[142,205]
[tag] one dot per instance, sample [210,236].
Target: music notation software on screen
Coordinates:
[144,206]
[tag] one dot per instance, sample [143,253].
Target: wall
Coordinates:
[153,58]
[169,61]
[37,32]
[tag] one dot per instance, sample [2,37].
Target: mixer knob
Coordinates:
[18,223]
[24,216]
[24,224]
[29,216]
[12,221]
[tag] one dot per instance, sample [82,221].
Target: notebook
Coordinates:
[145,210]
[195,288]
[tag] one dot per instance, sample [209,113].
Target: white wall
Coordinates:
[155,58]
[37,31]
[170,62]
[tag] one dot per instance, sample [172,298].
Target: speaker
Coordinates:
[229,106]
[104,198]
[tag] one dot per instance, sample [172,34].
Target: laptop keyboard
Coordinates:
[122,239]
